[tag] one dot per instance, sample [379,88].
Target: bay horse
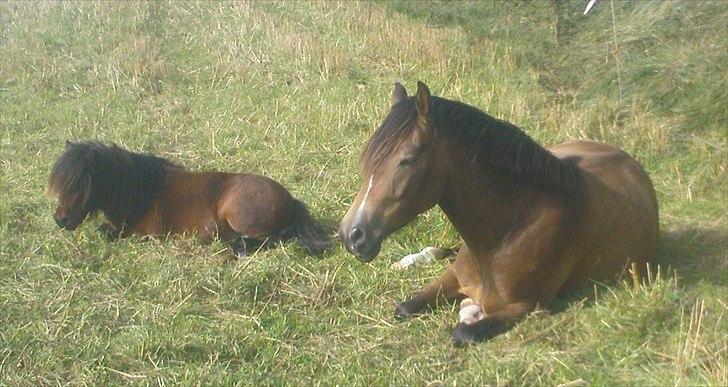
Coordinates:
[535,223]
[142,194]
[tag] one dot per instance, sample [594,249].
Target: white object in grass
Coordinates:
[589,6]
[470,312]
[427,255]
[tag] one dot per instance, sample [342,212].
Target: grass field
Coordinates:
[293,90]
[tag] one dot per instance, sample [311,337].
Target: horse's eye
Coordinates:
[407,161]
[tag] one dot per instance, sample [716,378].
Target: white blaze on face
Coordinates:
[360,210]
[470,312]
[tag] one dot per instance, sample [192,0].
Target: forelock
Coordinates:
[391,133]
[69,169]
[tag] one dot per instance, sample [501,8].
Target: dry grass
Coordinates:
[292,90]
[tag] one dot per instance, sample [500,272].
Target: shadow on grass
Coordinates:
[697,254]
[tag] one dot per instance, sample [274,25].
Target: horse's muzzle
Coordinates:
[362,246]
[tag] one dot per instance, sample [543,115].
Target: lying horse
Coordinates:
[144,194]
[535,223]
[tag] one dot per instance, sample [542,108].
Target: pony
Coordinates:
[142,194]
[535,223]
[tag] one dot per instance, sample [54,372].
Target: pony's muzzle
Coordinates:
[61,221]
[65,222]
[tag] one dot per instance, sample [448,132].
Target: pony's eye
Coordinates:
[407,161]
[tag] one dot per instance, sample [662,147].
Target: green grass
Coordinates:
[292,91]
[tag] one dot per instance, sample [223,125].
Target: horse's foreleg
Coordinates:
[498,321]
[444,288]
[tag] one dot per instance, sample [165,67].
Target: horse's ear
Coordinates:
[399,93]
[422,102]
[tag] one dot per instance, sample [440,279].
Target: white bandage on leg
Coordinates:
[470,312]
[427,255]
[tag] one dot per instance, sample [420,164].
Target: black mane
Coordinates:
[122,183]
[484,139]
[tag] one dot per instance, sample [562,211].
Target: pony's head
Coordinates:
[401,177]
[72,182]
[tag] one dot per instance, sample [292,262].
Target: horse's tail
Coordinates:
[305,229]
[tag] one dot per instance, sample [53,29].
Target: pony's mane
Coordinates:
[484,140]
[123,182]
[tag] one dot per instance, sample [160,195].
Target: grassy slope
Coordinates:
[292,90]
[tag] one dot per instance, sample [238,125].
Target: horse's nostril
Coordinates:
[356,236]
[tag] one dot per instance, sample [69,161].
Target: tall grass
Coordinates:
[292,90]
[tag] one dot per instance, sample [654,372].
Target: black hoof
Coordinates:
[402,312]
[463,335]
[243,247]
[486,329]
[239,248]
[409,308]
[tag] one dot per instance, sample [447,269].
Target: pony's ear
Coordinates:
[422,102]
[399,93]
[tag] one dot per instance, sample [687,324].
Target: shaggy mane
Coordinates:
[123,182]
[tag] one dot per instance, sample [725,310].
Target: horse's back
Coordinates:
[614,167]
[619,220]
[227,205]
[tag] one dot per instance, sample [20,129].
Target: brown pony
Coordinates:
[535,223]
[144,194]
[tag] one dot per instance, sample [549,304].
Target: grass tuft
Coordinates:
[293,90]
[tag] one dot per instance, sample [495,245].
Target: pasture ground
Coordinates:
[292,90]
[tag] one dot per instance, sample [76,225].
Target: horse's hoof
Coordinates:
[240,254]
[463,335]
[403,311]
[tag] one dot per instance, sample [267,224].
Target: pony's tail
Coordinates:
[305,229]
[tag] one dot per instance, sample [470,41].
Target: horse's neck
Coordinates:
[122,211]
[113,208]
[486,206]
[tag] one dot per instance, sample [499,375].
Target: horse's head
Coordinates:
[70,180]
[401,176]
